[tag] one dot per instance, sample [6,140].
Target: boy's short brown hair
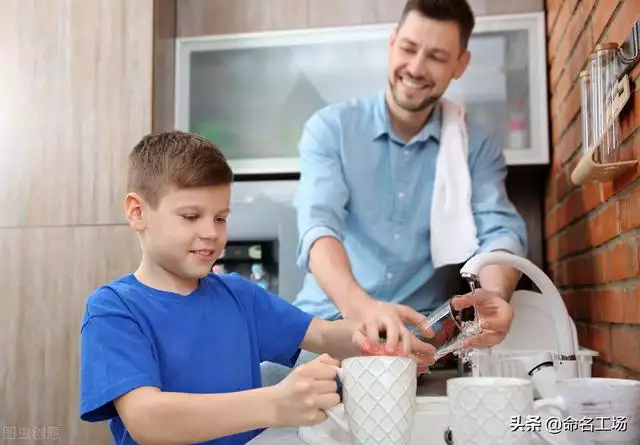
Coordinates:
[175,159]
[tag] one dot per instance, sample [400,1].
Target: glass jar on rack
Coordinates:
[585,111]
[604,68]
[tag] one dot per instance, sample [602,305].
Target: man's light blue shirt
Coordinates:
[360,183]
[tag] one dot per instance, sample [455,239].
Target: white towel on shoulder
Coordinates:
[453,229]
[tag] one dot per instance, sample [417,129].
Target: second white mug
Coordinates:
[482,410]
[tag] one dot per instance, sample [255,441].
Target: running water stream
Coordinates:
[469,329]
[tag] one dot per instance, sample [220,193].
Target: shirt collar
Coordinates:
[433,126]
[382,122]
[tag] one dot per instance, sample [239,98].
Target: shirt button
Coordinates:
[406,152]
[389,275]
[396,236]
[401,195]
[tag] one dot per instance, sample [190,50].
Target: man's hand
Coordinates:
[304,395]
[391,319]
[495,315]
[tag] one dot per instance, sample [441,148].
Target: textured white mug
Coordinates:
[379,397]
[598,410]
[481,410]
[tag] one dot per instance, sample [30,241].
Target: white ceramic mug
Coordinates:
[482,411]
[379,398]
[598,410]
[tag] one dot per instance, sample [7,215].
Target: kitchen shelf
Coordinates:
[252,93]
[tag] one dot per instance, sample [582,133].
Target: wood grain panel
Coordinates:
[76,94]
[492,7]
[164,50]
[353,12]
[358,12]
[208,17]
[204,17]
[46,277]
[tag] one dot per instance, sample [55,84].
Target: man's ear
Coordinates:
[392,39]
[134,207]
[463,63]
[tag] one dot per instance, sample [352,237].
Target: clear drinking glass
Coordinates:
[449,328]
[612,125]
[585,111]
[600,64]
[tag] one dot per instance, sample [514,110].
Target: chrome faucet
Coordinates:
[565,358]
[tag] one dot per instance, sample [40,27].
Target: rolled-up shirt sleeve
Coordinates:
[499,225]
[322,193]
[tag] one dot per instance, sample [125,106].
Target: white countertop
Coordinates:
[278,436]
[289,436]
[431,385]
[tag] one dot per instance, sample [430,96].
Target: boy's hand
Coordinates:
[302,397]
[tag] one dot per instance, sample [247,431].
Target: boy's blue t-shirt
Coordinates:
[210,341]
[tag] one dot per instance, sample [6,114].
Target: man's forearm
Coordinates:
[331,268]
[167,418]
[501,280]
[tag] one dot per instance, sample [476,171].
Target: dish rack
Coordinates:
[503,362]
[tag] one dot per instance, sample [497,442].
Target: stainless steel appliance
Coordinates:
[262,230]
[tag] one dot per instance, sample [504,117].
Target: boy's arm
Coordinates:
[155,417]
[340,339]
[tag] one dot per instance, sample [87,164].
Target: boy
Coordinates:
[170,353]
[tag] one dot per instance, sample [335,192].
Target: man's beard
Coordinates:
[426,103]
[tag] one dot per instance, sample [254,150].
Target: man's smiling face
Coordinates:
[424,56]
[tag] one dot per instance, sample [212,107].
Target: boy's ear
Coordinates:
[133,205]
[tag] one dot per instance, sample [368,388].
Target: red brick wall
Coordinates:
[593,232]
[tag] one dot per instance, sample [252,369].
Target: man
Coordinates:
[366,189]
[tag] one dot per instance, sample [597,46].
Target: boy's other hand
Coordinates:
[302,397]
